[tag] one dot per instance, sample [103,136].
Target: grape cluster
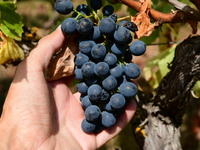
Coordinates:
[103,65]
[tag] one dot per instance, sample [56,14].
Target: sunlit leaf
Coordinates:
[10,21]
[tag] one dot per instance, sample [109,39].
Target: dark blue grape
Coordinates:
[107,26]
[92,113]
[86,102]
[117,101]
[88,127]
[116,71]
[96,4]
[68,26]
[138,48]
[122,35]
[118,49]
[80,59]
[95,35]
[113,17]
[108,10]
[83,9]
[108,119]
[131,26]
[107,106]
[92,80]
[122,23]
[82,87]
[94,92]
[86,46]
[132,70]
[78,74]
[63,7]
[101,69]
[84,26]
[128,56]
[109,83]
[98,52]
[128,89]
[88,69]
[99,126]
[110,59]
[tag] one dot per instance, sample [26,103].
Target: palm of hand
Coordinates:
[45,115]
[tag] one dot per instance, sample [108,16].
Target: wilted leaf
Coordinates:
[63,64]
[142,20]
[9,50]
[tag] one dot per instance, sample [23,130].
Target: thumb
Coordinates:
[46,47]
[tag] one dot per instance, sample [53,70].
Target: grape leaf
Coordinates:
[156,68]
[10,21]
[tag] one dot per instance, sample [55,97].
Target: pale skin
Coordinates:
[45,115]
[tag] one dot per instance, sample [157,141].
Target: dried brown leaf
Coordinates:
[62,65]
[142,20]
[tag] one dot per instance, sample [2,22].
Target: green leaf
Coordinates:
[196,89]
[10,21]
[156,68]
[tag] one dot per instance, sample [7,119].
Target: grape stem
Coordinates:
[94,13]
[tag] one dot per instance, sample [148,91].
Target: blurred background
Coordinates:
[40,15]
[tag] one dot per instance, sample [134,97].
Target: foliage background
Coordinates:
[41,14]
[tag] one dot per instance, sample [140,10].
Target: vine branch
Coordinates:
[184,13]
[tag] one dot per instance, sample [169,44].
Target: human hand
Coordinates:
[45,115]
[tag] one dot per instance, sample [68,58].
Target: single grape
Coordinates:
[63,7]
[131,26]
[94,92]
[68,26]
[138,48]
[92,80]
[101,69]
[85,102]
[107,106]
[98,52]
[83,8]
[128,56]
[109,83]
[113,17]
[95,35]
[92,113]
[111,60]
[108,10]
[122,23]
[96,4]
[122,35]
[108,119]
[78,74]
[86,46]
[128,89]
[132,70]
[116,71]
[80,59]
[118,49]
[99,126]
[107,26]
[88,127]
[82,87]
[117,101]
[84,26]
[88,69]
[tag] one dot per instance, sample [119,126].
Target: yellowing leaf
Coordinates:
[9,50]
[156,68]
